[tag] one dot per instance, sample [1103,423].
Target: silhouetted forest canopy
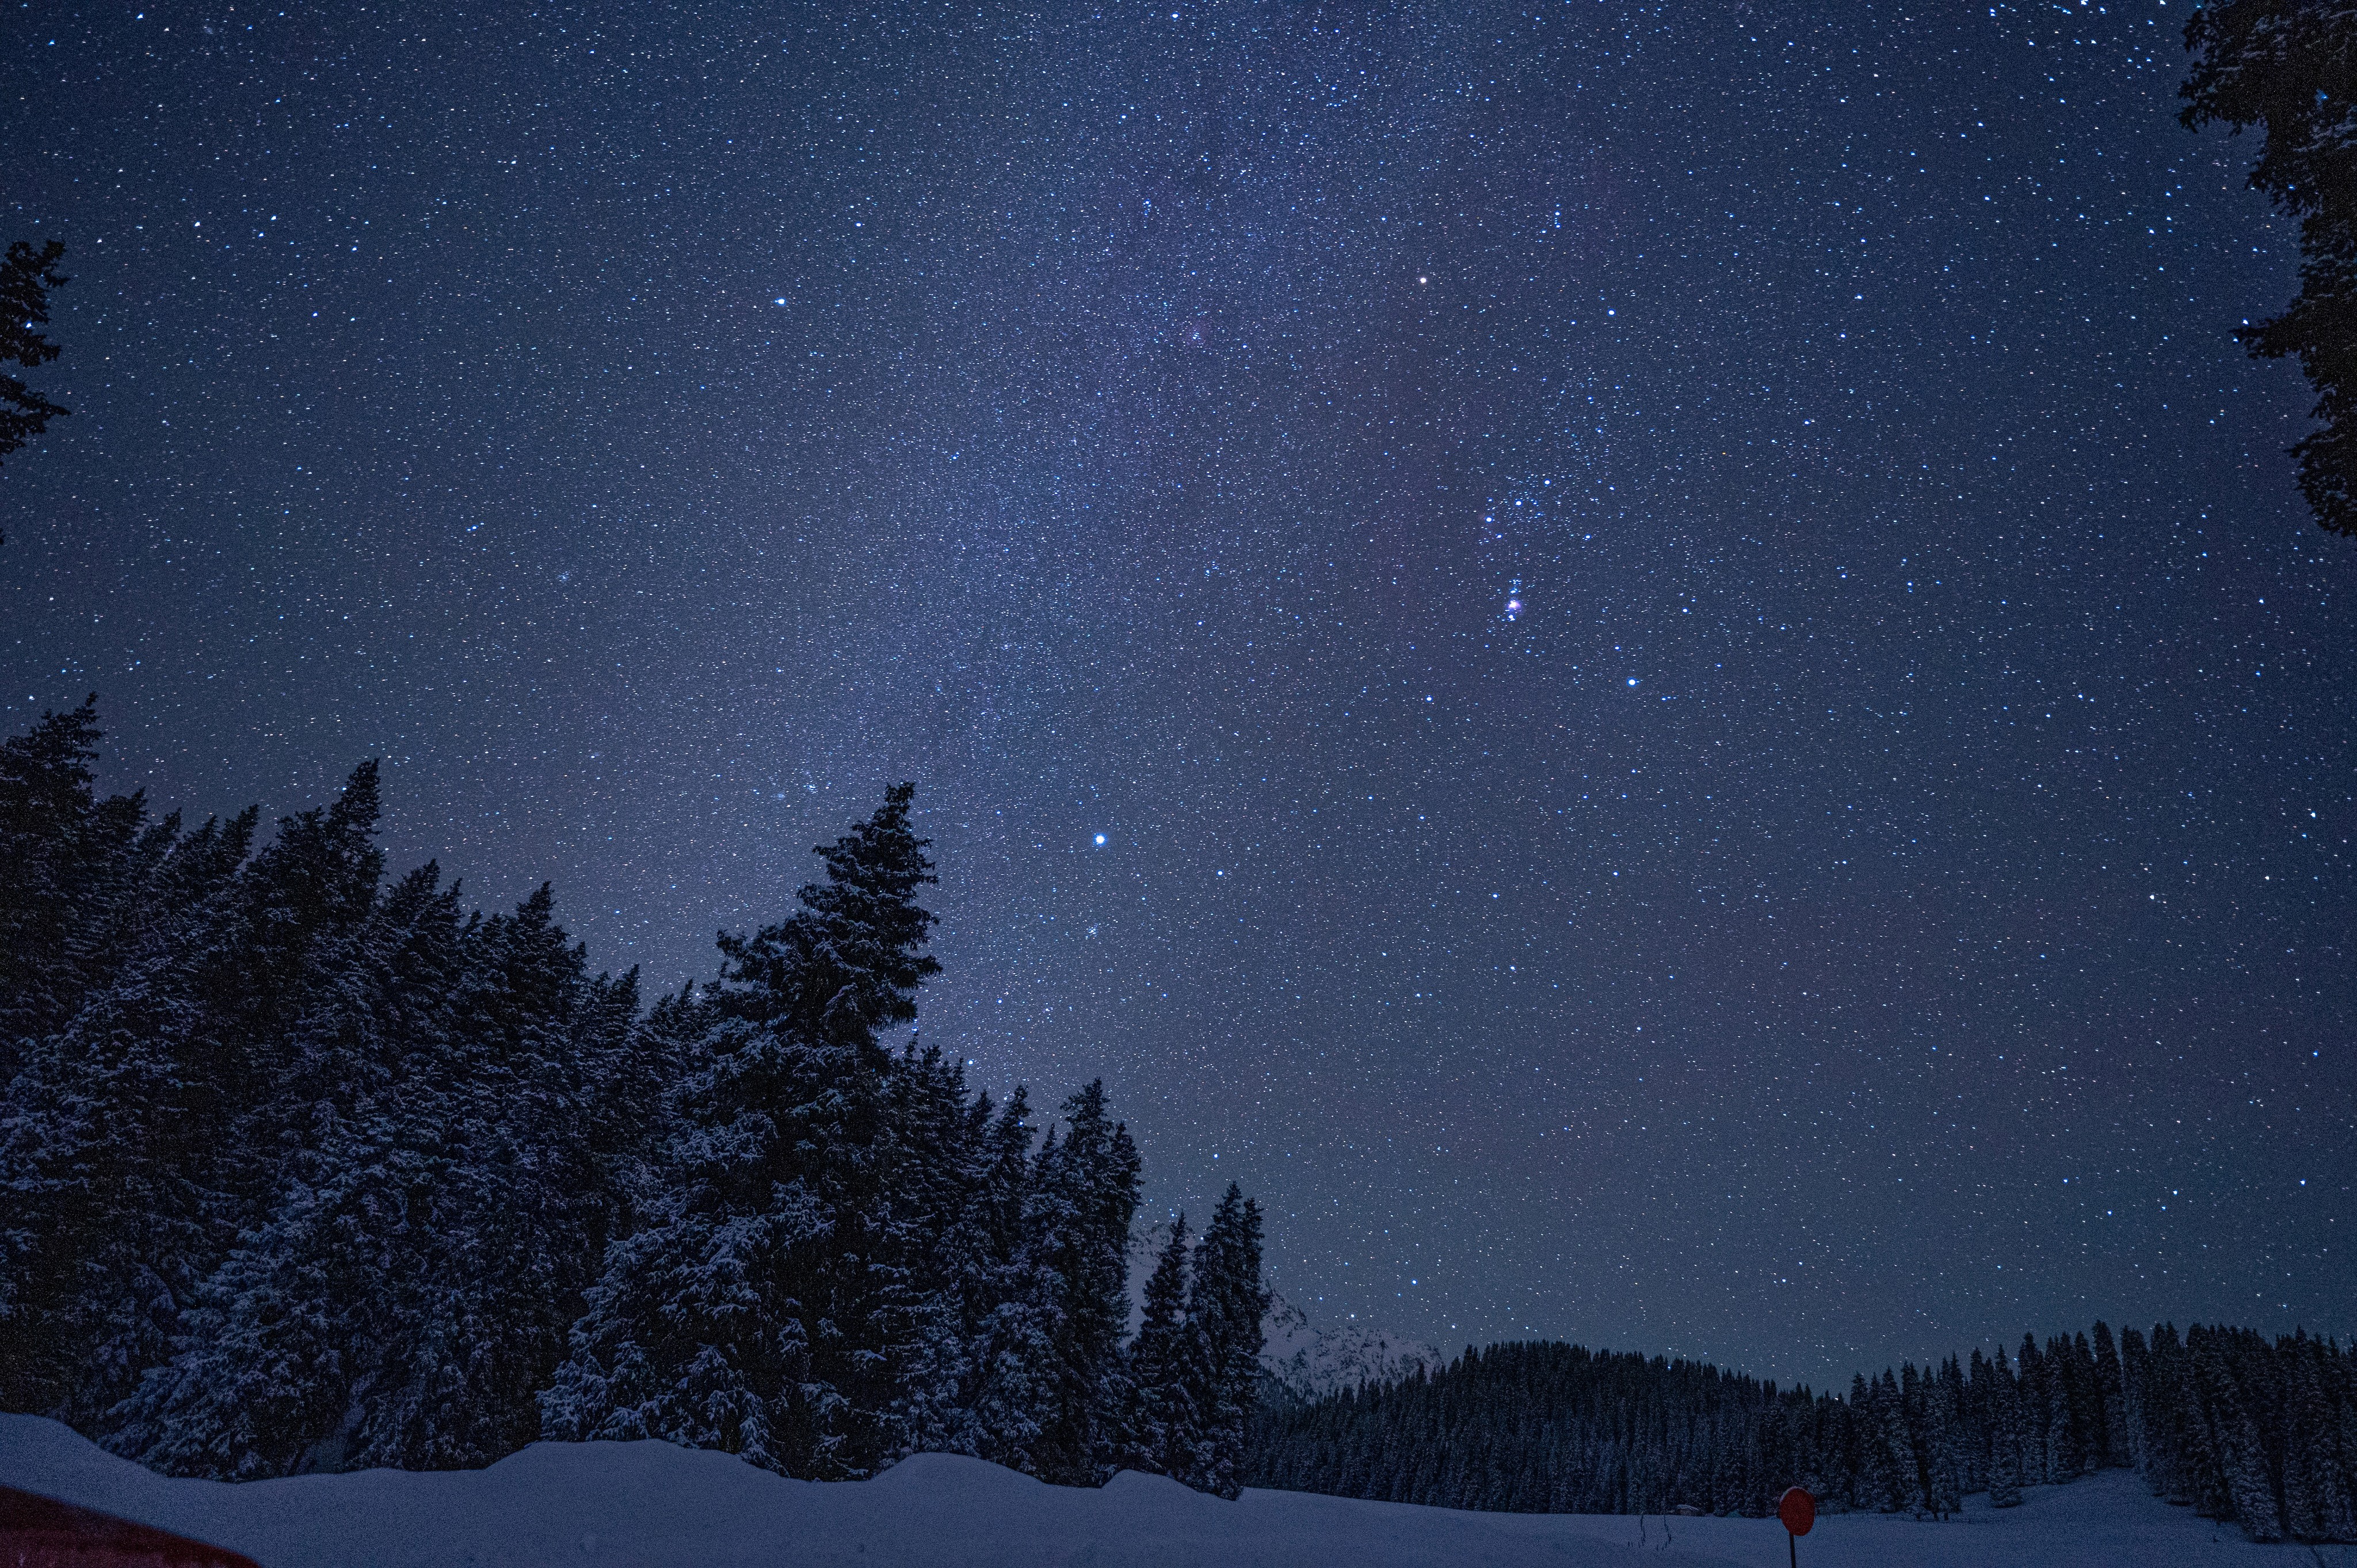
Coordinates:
[305,1169]
[2240,1427]
[308,1169]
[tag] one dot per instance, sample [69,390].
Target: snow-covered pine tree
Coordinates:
[1006,1298]
[628,1125]
[1620,1433]
[512,1234]
[2136,1378]
[2111,1447]
[1085,1196]
[2339,1372]
[636,1057]
[2062,1415]
[2004,1406]
[133,1146]
[1974,1409]
[107,1227]
[285,1339]
[1943,1406]
[302,896]
[1162,1431]
[741,1316]
[2080,1398]
[2313,1451]
[2184,1469]
[72,861]
[2203,1468]
[1916,1425]
[1863,1449]
[1226,1304]
[2241,1461]
[1901,1488]
[2296,1429]
[926,1191]
[412,1291]
[73,1198]
[2032,1380]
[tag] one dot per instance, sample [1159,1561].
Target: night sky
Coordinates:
[1658,670]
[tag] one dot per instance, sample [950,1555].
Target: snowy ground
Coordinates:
[649,1505]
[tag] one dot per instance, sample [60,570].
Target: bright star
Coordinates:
[1101,838]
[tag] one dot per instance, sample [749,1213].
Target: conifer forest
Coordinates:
[303,1168]
[308,1169]
[2240,1428]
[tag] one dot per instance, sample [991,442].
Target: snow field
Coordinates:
[650,1505]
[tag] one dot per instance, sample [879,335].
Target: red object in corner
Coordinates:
[42,1532]
[1797,1510]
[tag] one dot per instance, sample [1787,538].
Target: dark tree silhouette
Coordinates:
[2290,68]
[302,1171]
[26,279]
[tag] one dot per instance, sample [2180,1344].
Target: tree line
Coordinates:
[303,1169]
[2240,1427]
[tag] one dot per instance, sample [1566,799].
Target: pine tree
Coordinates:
[2176,1443]
[928,1187]
[2284,68]
[2081,1403]
[1894,1462]
[1977,1422]
[72,1229]
[135,1145]
[281,1342]
[410,1292]
[1162,1432]
[27,278]
[628,1125]
[1007,1295]
[2339,1370]
[2339,1375]
[1945,1403]
[2242,1462]
[513,1233]
[2312,1457]
[2111,1447]
[296,905]
[2202,1466]
[742,1314]
[2033,1384]
[2240,1427]
[2004,1434]
[2135,1399]
[67,854]
[2295,1420]
[1085,1196]
[1226,1304]
[2197,1477]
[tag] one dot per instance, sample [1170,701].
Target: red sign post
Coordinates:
[1797,1510]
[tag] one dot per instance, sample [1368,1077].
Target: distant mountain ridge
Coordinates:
[1307,1362]
[1312,1363]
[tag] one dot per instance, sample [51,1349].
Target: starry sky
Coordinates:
[1657,669]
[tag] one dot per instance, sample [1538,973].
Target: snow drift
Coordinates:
[650,1504]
